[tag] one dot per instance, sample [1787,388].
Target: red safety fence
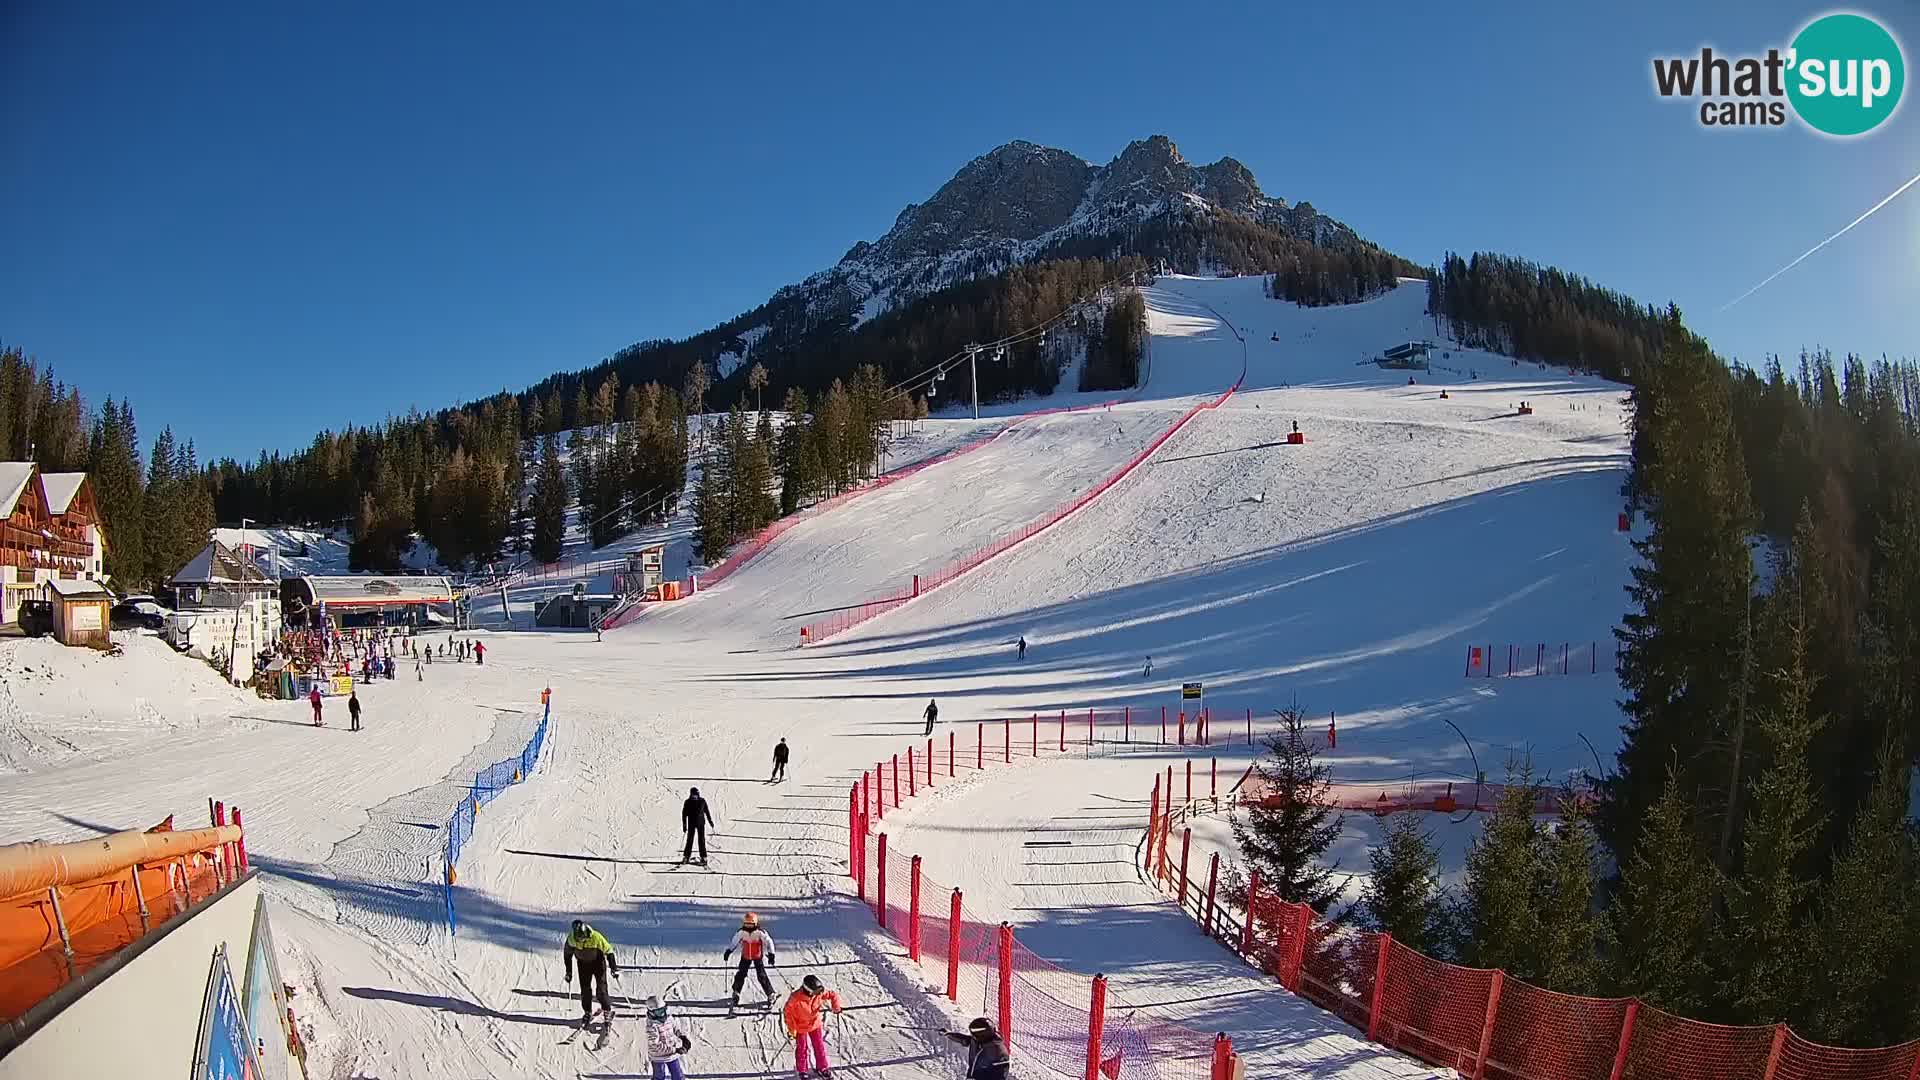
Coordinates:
[846,619]
[1056,1018]
[1482,1023]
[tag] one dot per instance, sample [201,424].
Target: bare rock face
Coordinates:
[1017,192]
[1023,201]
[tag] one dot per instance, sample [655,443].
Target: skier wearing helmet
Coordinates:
[594,953]
[986,1054]
[808,1027]
[665,1042]
[754,945]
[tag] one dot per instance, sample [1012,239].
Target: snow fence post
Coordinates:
[880,891]
[1034,748]
[1186,846]
[1213,781]
[1249,727]
[1063,731]
[1182,731]
[1189,799]
[1006,737]
[880,792]
[1126,724]
[1096,1024]
[853,833]
[1297,960]
[1163,725]
[953,948]
[1089,727]
[910,771]
[1626,1041]
[240,845]
[1221,1065]
[930,757]
[1153,818]
[1486,1026]
[913,913]
[979,746]
[952,770]
[1379,986]
[1006,983]
[1213,881]
[1773,1052]
[1246,928]
[896,780]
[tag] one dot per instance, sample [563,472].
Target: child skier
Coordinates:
[808,1027]
[754,944]
[986,1054]
[665,1042]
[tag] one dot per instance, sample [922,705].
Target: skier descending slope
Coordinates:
[754,944]
[665,1042]
[591,950]
[808,1027]
[779,762]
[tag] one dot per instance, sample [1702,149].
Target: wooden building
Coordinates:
[81,613]
[49,530]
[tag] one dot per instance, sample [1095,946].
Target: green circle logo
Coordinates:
[1846,74]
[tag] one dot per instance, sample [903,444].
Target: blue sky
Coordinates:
[259,225]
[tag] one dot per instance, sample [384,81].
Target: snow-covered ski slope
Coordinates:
[1351,571]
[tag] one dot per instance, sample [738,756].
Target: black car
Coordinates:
[36,617]
[131,613]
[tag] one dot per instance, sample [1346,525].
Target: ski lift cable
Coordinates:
[927,376]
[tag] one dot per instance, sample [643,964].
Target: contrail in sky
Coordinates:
[1897,192]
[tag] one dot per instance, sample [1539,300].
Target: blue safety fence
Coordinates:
[487,784]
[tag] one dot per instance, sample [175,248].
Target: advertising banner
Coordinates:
[225,1051]
[265,998]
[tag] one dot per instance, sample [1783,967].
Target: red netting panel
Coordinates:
[1433,1010]
[1050,1018]
[974,991]
[1275,928]
[899,886]
[1539,1034]
[1162,1050]
[1665,1046]
[1336,972]
[1803,1060]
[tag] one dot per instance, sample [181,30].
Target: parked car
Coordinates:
[139,610]
[36,617]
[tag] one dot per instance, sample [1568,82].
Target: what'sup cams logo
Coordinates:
[1842,76]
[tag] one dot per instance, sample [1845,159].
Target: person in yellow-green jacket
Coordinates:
[591,950]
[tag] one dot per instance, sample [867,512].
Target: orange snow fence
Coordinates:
[66,907]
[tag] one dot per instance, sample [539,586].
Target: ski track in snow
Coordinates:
[1351,572]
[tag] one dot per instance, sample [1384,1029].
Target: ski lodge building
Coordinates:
[363,600]
[49,530]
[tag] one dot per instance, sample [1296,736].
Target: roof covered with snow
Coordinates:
[218,564]
[355,589]
[13,480]
[71,589]
[60,488]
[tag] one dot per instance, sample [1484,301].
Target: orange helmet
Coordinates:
[750,921]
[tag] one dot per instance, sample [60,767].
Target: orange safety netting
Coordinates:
[1487,1024]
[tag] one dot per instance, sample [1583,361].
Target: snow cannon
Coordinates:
[1294,437]
[1443,395]
[1526,409]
